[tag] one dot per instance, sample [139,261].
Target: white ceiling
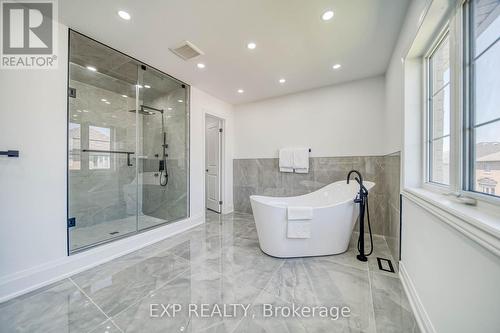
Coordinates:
[292,40]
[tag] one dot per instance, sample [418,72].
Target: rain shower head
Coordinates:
[147,110]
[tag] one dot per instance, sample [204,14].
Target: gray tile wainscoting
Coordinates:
[391,175]
[261,176]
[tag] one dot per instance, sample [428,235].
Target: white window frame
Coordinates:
[460,155]
[111,143]
[466,188]
[443,33]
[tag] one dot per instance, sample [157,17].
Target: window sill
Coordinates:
[479,223]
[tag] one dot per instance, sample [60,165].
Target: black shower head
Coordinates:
[147,110]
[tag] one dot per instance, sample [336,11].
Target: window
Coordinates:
[99,139]
[483,92]
[438,112]
[75,136]
[462,103]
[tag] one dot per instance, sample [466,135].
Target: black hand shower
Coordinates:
[362,199]
[164,155]
[163,162]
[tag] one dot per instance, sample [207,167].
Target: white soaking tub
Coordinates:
[334,217]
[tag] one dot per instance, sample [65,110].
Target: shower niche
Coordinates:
[128,145]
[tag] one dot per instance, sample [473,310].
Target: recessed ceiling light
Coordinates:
[241,91]
[200,65]
[180,100]
[169,109]
[104,100]
[124,15]
[91,68]
[251,45]
[139,86]
[124,96]
[282,81]
[85,111]
[78,110]
[336,66]
[147,86]
[75,115]
[328,15]
[107,102]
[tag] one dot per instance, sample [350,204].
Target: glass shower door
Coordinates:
[102,175]
[128,145]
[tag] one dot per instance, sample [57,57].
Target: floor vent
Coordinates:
[385,265]
[114,233]
[187,50]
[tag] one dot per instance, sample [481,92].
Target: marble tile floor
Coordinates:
[219,262]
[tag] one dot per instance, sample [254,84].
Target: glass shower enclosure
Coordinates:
[128,145]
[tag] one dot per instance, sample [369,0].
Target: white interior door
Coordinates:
[213,135]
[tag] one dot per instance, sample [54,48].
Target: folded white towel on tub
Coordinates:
[298,229]
[299,222]
[299,213]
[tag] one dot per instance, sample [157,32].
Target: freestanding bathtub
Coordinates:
[334,217]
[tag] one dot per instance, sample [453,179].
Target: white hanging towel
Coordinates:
[286,160]
[299,222]
[301,160]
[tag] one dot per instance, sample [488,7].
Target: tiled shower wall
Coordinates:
[262,177]
[165,202]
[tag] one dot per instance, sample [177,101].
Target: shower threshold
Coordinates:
[97,233]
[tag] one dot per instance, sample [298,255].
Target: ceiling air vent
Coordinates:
[187,50]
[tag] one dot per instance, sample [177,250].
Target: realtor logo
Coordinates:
[28,34]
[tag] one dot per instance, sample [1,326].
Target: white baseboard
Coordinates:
[423,320]
[31,279]
[227,210]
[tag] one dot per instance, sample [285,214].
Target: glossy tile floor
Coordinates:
[216,263]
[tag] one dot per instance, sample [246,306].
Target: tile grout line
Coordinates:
[371,299]
[95,304]
[260,292]
[310,281]
[343,263]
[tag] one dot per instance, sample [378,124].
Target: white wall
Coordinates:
[33,187]
[202,104]
[339,120]
[451,280]
[394,77]
[456,280]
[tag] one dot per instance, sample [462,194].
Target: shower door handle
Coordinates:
[111,152]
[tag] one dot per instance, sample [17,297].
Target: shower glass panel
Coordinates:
[127,145]
[163,167]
